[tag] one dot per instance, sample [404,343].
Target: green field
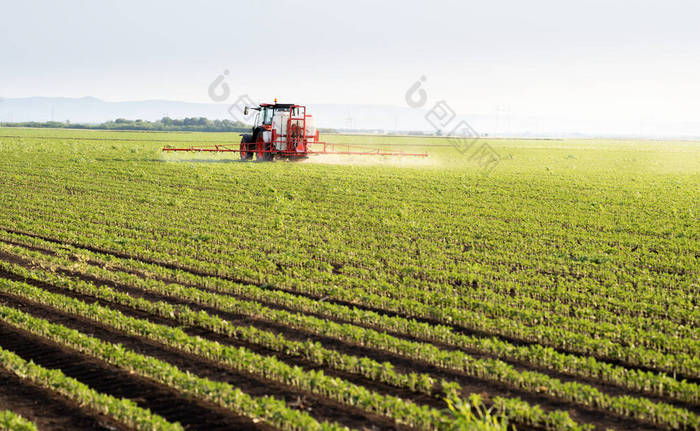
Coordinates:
[558,289]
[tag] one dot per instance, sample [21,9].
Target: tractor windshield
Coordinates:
[266,115]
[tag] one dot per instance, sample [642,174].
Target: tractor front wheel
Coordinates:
[246,151]
[268,155]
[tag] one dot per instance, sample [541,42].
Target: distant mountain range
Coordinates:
[343,117]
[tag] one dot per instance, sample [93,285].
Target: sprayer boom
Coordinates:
[285,130]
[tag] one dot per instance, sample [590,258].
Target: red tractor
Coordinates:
[280,130]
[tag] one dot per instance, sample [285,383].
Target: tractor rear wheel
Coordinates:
[247,147]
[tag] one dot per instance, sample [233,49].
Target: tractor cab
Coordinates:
[267,113]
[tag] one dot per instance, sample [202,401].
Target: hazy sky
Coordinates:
[591,61]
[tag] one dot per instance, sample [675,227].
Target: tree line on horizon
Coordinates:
[194,124]
[165,124]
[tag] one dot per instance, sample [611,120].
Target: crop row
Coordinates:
[658,334]
[514,409]
[407,276]
[633,379]
[542,333]
[266,409]
[112,171]
[182,233]
[579,312]
[122,410]
[486,299]
[10,421]
[241,359]
[585,395]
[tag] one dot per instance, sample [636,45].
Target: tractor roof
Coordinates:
[279,105]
